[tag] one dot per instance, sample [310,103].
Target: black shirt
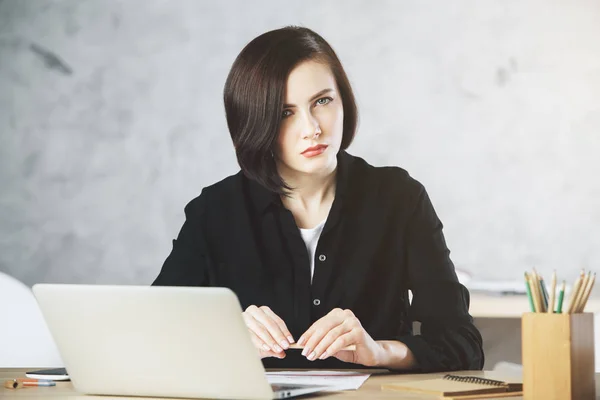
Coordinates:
[382,238]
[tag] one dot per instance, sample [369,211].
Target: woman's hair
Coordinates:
[254,95]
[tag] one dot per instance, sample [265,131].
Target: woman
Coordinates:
[319,246]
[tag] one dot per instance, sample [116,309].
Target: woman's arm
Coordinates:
[188,264]
[395,355]
[448,339]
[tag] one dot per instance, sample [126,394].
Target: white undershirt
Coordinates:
[311,239]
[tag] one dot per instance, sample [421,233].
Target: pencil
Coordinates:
[295,346]
[561,296]
[535,290]
[584,284]
[39,382]
[552,293]
[575,293]
[586,295]
[13,384]
[19,383]
[544,293]
[538,291]
[534,293]
[529,296]
[528,280]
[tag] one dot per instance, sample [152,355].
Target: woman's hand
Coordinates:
[269,333]
[338,329]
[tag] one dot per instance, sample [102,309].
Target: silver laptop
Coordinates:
[156,341]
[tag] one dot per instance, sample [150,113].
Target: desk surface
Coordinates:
[371,389]
[510,306]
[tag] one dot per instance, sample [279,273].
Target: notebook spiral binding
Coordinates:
[474,379]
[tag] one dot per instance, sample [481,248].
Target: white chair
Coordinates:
[25,341]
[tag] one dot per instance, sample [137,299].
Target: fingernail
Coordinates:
[323,356]
[312,356]
[277,348]
[266,348]
[301,341]
[284,344]
[290,339]
[305,351]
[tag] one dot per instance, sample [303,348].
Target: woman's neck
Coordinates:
[311,197]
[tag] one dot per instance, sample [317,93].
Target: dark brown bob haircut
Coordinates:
[254,95]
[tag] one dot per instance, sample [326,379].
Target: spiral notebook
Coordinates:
[462,386]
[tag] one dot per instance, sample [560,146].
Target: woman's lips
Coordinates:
[314,151]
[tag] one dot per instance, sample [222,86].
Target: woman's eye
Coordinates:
[286,113]
[324,100]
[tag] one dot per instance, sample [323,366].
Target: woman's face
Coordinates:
[312,121]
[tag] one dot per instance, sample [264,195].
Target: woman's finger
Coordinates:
[323,347]
[279,322]
[349,337]
[258,342]
[333,318]
[262,332]
[275,332]
[263,349]
[321,329]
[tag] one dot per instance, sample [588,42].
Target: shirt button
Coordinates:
[316,302]
[322,257]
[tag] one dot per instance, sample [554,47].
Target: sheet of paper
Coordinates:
[497,287]
[334,380]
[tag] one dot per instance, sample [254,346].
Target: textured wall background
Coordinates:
[111,120]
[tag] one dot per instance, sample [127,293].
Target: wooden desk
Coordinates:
[492,306]
[371,389]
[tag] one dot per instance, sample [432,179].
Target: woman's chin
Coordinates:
[317,167]
[312,166]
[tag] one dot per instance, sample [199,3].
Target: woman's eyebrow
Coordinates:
[314,97]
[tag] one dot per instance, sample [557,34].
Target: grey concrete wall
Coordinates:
[111,120]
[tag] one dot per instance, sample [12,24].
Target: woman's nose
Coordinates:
[311,128]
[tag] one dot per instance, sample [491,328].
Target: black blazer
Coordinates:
[381,239]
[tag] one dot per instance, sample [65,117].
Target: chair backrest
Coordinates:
[25,339]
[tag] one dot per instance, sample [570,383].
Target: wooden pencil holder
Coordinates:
[558,356]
